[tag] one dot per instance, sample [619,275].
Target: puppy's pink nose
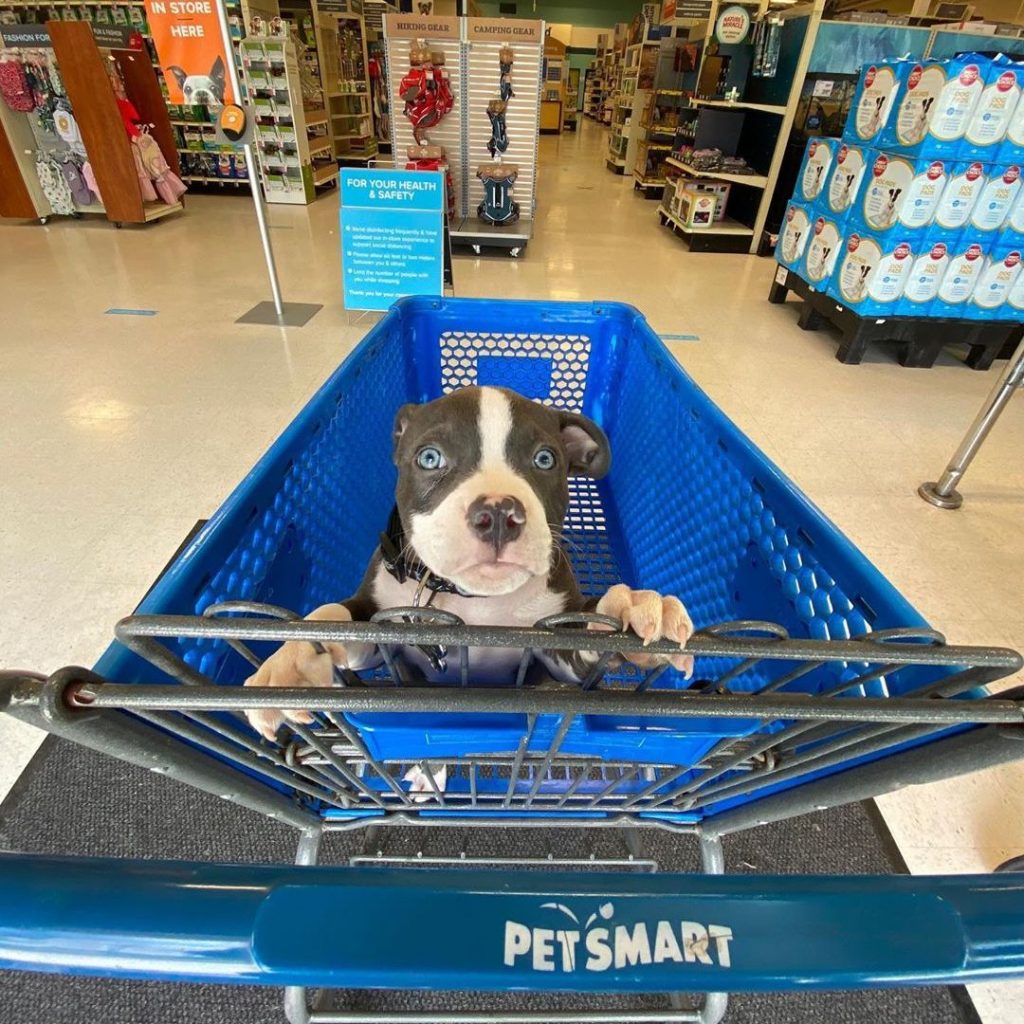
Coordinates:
[496,520]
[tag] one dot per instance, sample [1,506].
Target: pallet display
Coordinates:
[292,146]
[472,50]
[72,154]
[920,339]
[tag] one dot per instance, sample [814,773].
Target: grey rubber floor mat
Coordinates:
[72,801]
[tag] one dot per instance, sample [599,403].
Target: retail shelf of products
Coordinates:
[753,180]
[202,179]
[322,175]
[765,108]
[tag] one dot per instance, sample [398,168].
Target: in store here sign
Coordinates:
[392,235]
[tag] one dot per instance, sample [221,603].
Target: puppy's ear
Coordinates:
[179,75]
[401,422]
[585,444]
[217,71]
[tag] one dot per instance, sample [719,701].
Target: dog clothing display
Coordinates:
[54,185]
[498,206]
[426,90]
[156,169]
[14,86]
[433,158]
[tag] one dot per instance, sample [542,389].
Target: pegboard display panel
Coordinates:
[448,132]
[522,118]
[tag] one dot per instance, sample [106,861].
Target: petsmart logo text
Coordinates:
[609,945]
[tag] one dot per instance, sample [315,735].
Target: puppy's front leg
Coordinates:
[652,617]
[298,663]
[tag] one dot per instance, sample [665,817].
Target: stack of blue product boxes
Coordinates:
[919,209]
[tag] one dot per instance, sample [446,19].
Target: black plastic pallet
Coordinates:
[920,339]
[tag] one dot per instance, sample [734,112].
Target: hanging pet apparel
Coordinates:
[428,97]
[498,206]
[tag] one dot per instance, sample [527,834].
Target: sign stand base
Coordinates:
[294,314]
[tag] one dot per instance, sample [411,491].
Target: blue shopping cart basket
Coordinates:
[816,684]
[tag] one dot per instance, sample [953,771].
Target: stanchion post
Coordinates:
[943,493]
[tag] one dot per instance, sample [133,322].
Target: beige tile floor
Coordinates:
[119,432]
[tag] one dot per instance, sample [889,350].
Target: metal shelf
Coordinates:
[753,180]
[765,108]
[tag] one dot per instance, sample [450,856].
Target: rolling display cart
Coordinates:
[472,51]
[815,684]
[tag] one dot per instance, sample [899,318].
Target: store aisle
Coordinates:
[122,430]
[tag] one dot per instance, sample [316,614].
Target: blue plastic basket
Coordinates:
[690,507]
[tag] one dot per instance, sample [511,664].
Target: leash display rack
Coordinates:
[472,47]
[920,339]
[815,684]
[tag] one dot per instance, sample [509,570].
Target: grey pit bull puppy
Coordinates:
[482,493]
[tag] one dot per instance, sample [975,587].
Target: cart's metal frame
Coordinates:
[808,752]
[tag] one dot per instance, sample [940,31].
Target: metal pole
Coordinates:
[944,494]
[250,162]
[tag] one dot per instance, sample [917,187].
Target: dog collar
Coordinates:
[402,567]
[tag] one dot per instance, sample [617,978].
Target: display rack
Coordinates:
[102,139]
[380,102]
[471,48]
[593,89]
[639,70]
[572,100]
[293,148]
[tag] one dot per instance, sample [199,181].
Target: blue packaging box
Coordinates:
[998,109]
[966,262]
[990,299]
[967,181]
[821,251]
[871,272]
[934,105]
[873,100]
[843,183]
[898,193]
[814,169]
[793,235]
[997,198]
[926,272]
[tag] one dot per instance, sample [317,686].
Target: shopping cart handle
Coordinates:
[499,930]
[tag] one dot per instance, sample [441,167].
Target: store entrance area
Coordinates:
[133,402]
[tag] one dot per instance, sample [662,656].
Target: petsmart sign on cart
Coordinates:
[392,235]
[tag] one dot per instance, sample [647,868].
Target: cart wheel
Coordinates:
[476,249]
[1012,865]
[44,220]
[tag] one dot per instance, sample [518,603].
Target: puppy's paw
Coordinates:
[419,782]
[652,617]
[293,664]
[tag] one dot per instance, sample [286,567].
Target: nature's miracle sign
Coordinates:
[186,34]
[733,25]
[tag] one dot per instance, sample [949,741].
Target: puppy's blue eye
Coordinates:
[430,458]
[544,459]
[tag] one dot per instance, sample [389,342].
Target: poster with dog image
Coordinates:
[188,42]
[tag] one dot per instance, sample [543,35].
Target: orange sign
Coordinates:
[188,42]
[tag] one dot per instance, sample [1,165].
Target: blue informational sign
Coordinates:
[392,235]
